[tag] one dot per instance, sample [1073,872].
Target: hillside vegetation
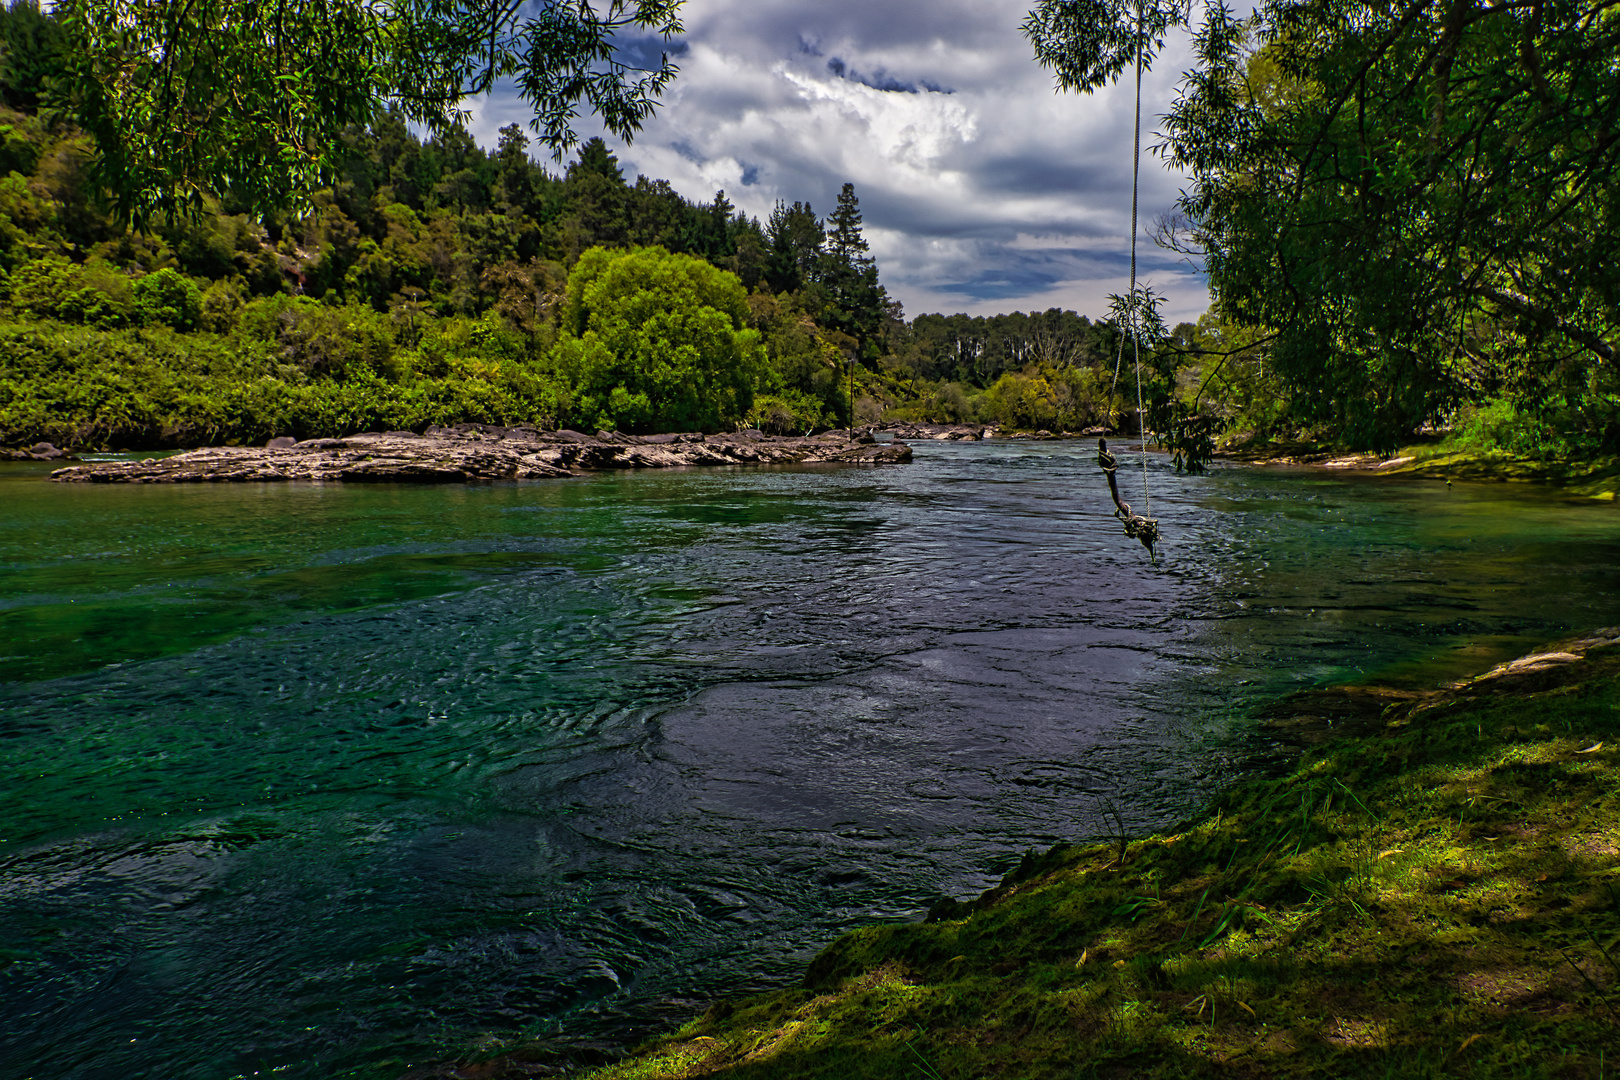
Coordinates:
[434,282]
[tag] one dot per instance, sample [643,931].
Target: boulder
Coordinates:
[40,451]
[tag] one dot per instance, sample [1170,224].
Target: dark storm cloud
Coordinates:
[882,80]
[680,147]
[644,50]
[942,219]
[981,189]
[1034,172]
[875,25]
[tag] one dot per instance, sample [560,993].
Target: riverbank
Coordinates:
[1436,892]
[1595,478]
[1592,478]
[472,452]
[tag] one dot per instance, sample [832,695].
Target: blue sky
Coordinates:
[982,190]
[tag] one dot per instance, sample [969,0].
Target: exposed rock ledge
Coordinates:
[941,432]
[479,452]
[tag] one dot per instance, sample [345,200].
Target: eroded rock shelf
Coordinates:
[474,452]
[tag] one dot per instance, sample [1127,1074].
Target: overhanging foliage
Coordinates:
[1420,197]
[247,98]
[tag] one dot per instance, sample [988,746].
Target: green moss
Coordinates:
[1589,477]
[1438,896]
[1582,476]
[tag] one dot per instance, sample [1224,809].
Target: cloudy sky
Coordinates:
[982,190]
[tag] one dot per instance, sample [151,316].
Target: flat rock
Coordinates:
[473,452]
[1314,716]
[940,432]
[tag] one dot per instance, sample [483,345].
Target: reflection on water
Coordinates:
[334,779]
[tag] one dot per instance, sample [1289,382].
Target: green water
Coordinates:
[339,780]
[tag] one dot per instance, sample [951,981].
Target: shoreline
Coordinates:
[1597,478]
[484,452]
[1436,887]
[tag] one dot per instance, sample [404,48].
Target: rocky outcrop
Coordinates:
[975,432]
[1053,436]
[38,452]
[941,432]
[470,452]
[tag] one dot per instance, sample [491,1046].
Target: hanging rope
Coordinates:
[1136,301]
[1137,526]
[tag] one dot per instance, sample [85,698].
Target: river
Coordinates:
[329,780]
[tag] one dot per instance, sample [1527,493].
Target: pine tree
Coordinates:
[793,238]
[845,241]
[31,52]
[856,302]
[514,168]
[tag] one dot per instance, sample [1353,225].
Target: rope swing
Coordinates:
[1137,526]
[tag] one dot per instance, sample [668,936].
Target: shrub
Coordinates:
[169,298]
[153,388]
[1020,400]
[95,294]
[654,341]
[334,341]
[788,412]
[221,307]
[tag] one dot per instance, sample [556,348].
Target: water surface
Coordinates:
[329,780]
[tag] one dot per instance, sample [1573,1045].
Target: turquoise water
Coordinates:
[333,780]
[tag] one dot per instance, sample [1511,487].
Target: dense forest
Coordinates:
[433,281]
[426,279]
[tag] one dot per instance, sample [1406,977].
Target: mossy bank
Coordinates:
[1437,894]
[1581,476]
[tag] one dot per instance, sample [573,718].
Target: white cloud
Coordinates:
[982,190]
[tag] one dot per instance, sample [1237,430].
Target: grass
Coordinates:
[1595,477]
[1435,896]
[1453,458]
